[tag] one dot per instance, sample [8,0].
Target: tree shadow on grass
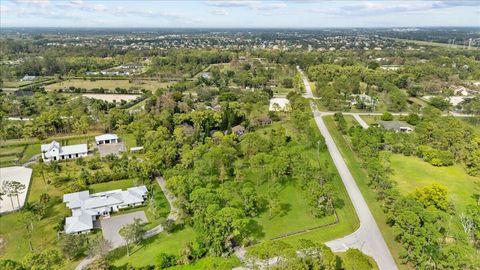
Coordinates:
[339,203]
[255,229]
[284,209]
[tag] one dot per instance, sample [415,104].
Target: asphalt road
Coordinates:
[368,237]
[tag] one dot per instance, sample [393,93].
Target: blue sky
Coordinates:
[245,14]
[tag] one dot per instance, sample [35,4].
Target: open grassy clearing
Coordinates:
[295,206]
[108,84]
[112,98]
[412,172]
[361,178]
[148,251]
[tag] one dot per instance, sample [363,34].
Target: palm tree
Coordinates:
[7,190]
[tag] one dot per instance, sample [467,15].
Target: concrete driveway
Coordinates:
[111,226]
[111,149]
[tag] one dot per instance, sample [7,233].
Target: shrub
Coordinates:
[386,116]
[166,260]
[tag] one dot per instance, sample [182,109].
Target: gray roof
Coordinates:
[65,150]
[393,125]
[47,147]
[82,222]
[84,204]
[74,149]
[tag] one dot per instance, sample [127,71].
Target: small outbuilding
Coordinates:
[107,139]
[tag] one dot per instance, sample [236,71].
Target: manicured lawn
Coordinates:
[361,179]
[412,172]
[129,140]
[121,184]
[30,151]
[295,207]
[146,254]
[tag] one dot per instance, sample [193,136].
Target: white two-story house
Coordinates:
[54,151]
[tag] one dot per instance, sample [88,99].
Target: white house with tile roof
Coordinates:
[87,207]
[54,151]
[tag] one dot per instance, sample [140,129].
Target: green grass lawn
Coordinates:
[295,204]
[293,200]
[146,254]
[121,184]
[12,230]
[129,140]
[360,177]
[30,151]
[412,172]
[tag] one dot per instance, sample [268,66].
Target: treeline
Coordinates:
[422,219]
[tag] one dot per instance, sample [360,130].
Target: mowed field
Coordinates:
[112,97]
[412,172]
[108,84]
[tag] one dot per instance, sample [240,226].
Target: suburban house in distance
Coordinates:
[107,139]
[395,126]
[86,207]
[54,151]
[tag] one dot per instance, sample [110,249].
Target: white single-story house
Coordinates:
[107,139]
[87,207]
[19,174]
[279,104]
[54,151]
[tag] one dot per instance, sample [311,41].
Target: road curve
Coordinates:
[368,237]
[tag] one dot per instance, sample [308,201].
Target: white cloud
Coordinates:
[41,3]
[273,6]
[381,8]
[253,5]
[4,8]
[218,12]
[99,8]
